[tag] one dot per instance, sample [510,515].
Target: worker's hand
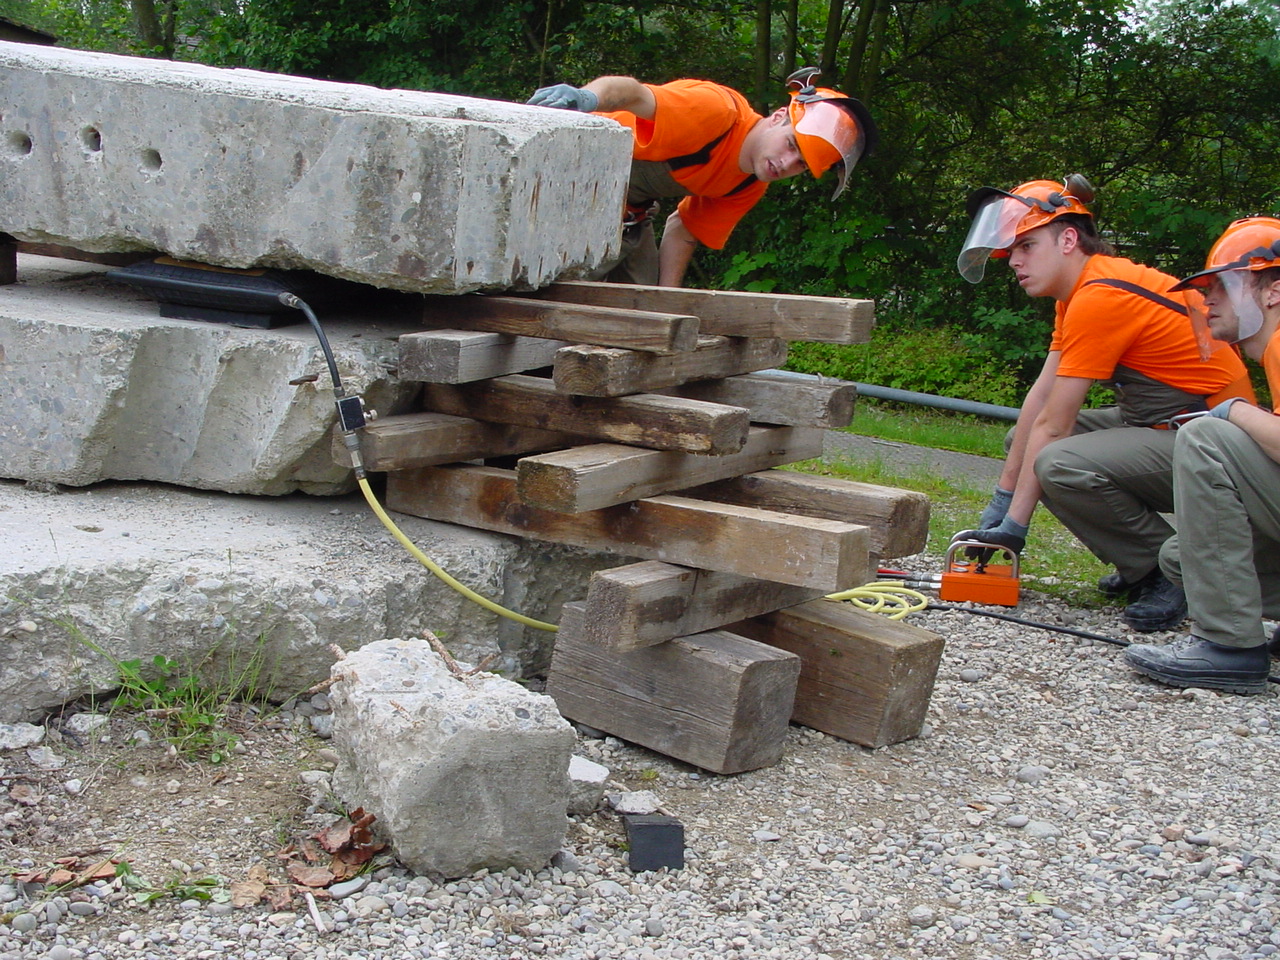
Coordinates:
[994,511]
[1008,533]
[565,96]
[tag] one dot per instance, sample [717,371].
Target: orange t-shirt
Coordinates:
[1099,327]
[690,115]
[1271,364]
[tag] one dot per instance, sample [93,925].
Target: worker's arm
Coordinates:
[1032,404]
[1056,419]
[678,246]
[1262,427]
[624,93]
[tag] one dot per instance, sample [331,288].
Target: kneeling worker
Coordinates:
[1226,486]
[702,141]
[1107,473]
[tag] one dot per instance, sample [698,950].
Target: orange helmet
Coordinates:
[832,129]
[1249,244]
[1001,216]
[1245,247]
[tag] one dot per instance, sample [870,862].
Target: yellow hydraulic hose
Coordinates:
[440,572]
[889,598]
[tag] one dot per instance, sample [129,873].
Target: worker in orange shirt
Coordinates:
[1226,486]
[1105,473]
[701,141]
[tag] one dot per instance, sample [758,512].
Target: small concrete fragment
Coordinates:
[586,785]
[463,773]
[401,189]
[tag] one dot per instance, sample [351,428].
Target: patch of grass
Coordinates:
[1054,562]
[927,427]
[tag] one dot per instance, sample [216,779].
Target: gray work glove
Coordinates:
[994,511]
[565,96]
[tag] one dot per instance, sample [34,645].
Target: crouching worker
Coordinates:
[1105,473]
[702,141]
[1226,486]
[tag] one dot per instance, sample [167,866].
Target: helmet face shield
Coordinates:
[994,228]
[1227,280]
[828,137]
[1238,288]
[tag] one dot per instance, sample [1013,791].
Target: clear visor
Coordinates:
[1234,307]
[838,128]
[995,227]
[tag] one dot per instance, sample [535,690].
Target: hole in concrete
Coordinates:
[18,144]
[91,139]
[151,162]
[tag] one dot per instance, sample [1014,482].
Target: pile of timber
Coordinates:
[649,422]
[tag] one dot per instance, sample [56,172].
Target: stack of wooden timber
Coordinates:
[657,435]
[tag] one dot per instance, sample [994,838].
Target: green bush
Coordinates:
[938,361]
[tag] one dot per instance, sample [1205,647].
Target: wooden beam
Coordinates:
[780,397]
[658,422]
[115,259]
[824,554]
[8,260]
[428,439]
[582,323]
[714,700]
[898,519]
[641,604]
[735,313]
[605,474]
[461,356]
[864,677]
[610,372]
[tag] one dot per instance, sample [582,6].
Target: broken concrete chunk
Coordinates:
[463,772]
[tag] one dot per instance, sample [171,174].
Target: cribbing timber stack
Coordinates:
[657,436]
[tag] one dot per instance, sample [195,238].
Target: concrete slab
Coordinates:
[251,587]
[397,188]
[96,385]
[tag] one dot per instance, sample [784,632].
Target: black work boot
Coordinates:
[1192,662]
[1155,603]
[1113,585]
[1274,645]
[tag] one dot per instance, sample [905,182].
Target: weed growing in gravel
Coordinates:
[178,886]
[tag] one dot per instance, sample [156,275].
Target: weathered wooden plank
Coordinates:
[713,700]
[780,397]
[650,602]
[428,439]
[114,259]
[658,422]
[898,519]
[604,474]
[634,329]
[864,677]
[461,356]
[611,372]
[824,554]
[8,260]
[736,313]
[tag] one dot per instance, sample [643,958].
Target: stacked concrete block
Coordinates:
[400,189]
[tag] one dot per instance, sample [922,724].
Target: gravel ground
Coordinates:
[1056,805]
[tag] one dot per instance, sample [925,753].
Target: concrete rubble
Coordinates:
[463,772]
[401,189]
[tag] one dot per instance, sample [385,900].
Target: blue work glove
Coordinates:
[1223,410]
[565,96]
[995,510]
[1008,533]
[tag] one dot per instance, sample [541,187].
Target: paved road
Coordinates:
[978,472]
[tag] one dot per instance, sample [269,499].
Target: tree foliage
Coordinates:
[1168,106]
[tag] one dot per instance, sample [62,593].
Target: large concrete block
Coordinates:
[400,189]
[251,587]
[463,773]
[95,386]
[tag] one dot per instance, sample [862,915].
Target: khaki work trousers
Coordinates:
[1227,551]
[1109,483]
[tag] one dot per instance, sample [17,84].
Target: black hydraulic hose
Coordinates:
[1085,634]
